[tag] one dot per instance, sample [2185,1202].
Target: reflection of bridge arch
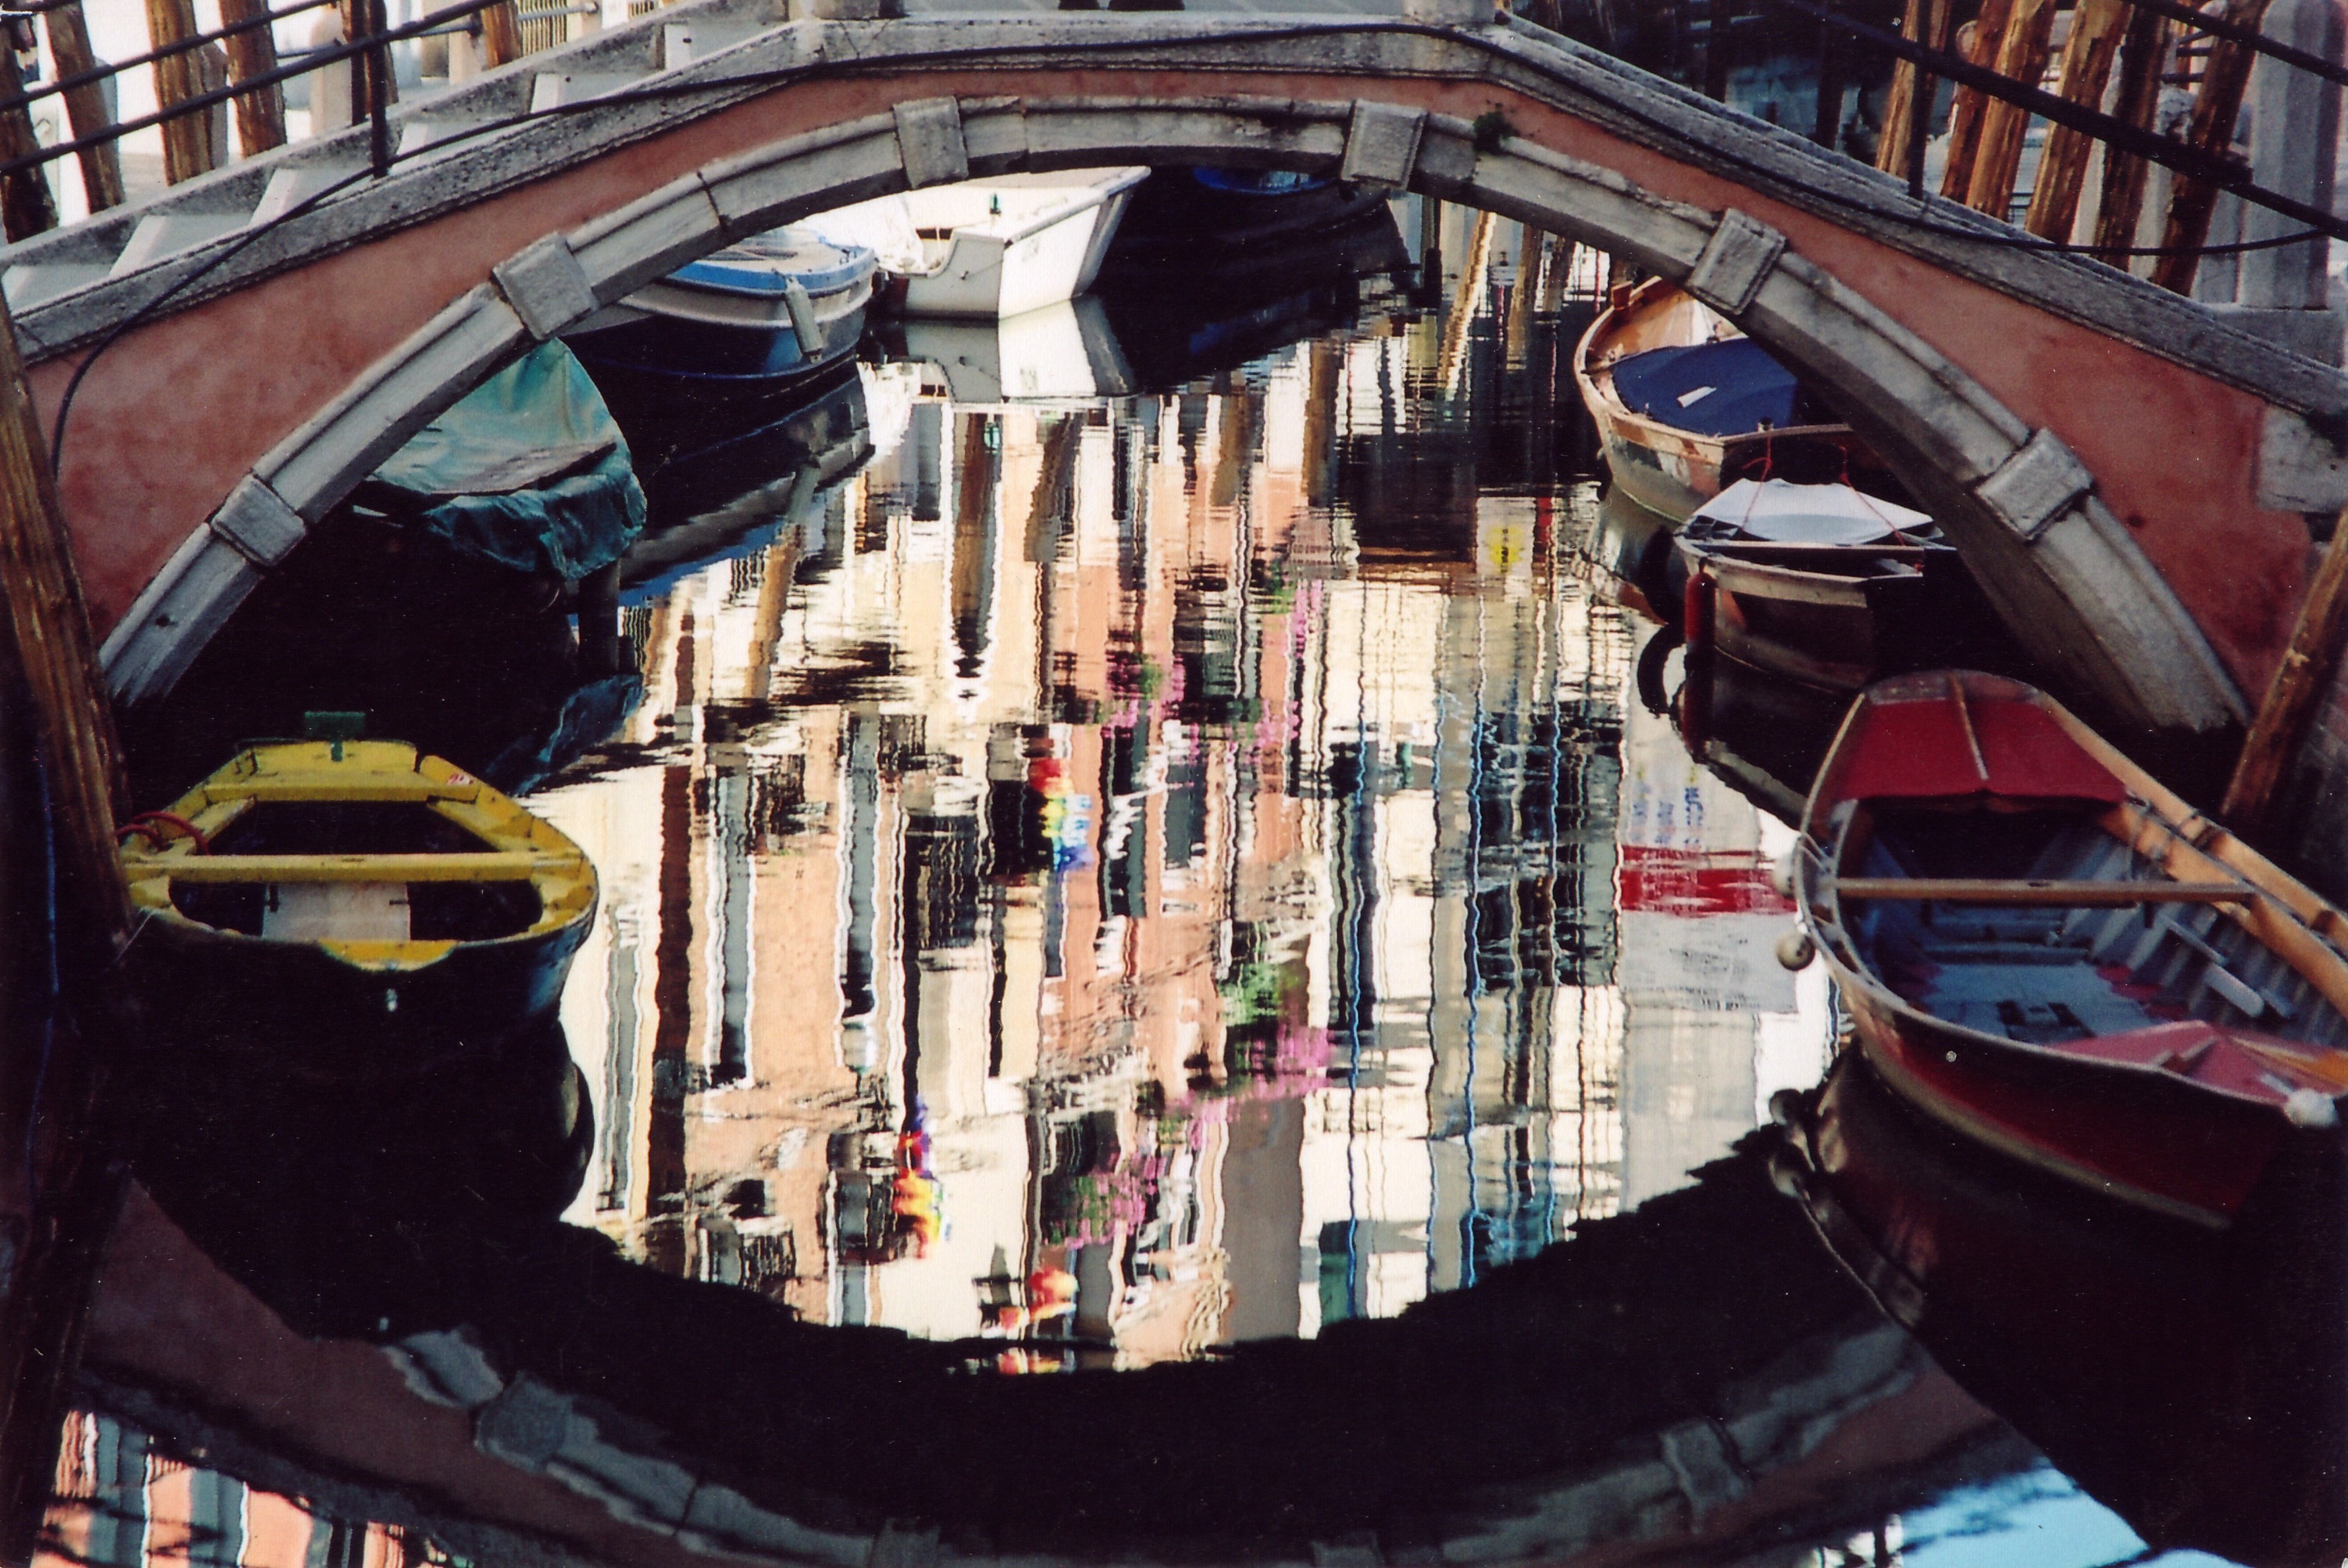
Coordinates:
[1693,1380]
[2040,400]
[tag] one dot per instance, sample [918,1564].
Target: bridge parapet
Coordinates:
[2126,471]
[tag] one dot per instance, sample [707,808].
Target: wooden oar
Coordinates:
[2047,891]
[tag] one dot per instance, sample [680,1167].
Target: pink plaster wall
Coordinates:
[179,410]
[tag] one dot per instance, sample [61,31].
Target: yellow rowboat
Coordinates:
[378,906]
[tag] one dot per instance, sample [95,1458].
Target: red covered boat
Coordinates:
[2046,950]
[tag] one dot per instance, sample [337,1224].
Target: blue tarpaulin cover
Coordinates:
[1747,389]
[529,470]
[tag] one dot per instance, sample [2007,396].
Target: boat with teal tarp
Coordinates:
[529,471]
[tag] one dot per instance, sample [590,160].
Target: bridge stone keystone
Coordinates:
[1735,263]
[929,134]
[546,286]
[2036,485]
[1382,145]
[257,524]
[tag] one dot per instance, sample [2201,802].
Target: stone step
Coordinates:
[445,132]
[162,234]
[683,42]
[28,286]
[290,187]
[552,90]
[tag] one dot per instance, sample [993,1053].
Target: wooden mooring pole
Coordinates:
[78,1179]
[2215,107]
[261,113]
[101,162]
[2282,718]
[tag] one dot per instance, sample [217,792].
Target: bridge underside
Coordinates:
[2128,477]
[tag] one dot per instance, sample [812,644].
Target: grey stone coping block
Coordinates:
[1382,145]
[257,521]
[546,286]
[1736,263]
[928,136]
[2036,485]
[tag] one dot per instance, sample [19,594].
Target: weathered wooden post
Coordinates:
[1903,112]
[2020,56]
[101,164]
[501,34]
[2216,107]
[1716,48]
[26,205]
[261,113]
[50,1289]
[2097,26]
[1826,128]
[188,149]
[1965,113]
[2281,720]
[2144,58]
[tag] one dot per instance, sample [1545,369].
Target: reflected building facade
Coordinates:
[1123,878]
[121,1499]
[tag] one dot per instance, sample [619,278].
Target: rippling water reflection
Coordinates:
[1136,875]
[1098,879]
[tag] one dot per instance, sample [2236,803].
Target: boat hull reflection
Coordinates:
[2193,1383]
[355,1209]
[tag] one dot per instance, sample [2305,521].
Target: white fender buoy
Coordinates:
[1794,950]
[1781,875]
[2309,1108]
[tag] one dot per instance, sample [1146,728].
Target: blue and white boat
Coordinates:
[756,316]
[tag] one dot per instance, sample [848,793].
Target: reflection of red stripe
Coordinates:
[1694,883]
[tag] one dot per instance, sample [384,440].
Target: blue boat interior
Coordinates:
[1729,388]
[1258,181]
[2045,975]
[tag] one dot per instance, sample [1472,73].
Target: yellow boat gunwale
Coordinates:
[518,846]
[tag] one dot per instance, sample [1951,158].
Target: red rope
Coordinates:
[146,824]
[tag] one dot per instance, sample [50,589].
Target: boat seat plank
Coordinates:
[343,786]
[460,867]
[2045,891]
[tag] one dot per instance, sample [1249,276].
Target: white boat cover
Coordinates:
[1785,513]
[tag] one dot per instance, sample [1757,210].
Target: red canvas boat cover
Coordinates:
[1943,747]
[2230,1061]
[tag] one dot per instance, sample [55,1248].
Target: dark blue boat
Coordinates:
[1198,211]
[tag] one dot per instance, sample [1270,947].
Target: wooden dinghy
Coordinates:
[2045,949]
[1685,403]
[1827,585]
[355,905]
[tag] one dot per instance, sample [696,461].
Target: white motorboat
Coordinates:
[986,249]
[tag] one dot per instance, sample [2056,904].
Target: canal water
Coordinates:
[1154,857]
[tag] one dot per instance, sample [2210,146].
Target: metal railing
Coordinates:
[1998,99]
[198,72]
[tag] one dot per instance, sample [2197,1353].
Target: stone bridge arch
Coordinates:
[2126,473]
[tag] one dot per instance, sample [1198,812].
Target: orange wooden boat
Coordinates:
[1687,404]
